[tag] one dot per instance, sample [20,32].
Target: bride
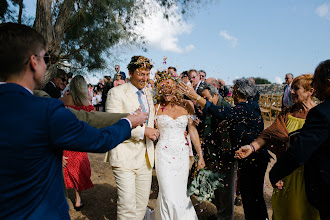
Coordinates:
[173,115]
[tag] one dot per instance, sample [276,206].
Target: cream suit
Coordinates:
[132,160]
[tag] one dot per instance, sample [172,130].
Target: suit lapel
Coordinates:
[130,95]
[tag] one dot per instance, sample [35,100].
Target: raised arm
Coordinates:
[194,136]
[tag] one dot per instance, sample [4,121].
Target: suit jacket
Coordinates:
[33,135]
[94,118]
[131,153]
[290,102]
[310,147]
[52,90]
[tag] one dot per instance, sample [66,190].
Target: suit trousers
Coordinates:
[225,197]
[133,190]
[252,176]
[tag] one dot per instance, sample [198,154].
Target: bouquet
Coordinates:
[204,184]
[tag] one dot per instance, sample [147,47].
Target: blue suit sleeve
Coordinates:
[67,132]
[313,134]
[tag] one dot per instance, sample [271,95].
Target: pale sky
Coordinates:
[238,38]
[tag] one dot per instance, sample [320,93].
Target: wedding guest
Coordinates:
[223,89]
[185,78]
[244,124]
[287,98]
[123,75]
[202,75]
[31,167]
[118,81]
[216,155]
[77,172]
[172,71]
[57,84]
[107,86]
[194,79]
[289,203]
[311,147]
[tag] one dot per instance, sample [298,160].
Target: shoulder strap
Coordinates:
[157,108]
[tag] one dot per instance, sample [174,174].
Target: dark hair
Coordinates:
[60,73]
[202,72]
[192,70]
[323,70]
[173,68]
[17,44]
[138,62]
[185,73]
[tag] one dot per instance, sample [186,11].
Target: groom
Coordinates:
[132,162]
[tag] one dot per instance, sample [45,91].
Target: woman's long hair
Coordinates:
[161,77]
[79,91]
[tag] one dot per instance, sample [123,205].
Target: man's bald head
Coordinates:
[213,82]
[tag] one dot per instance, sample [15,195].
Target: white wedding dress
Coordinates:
[172,168]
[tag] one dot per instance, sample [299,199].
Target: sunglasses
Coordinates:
[46,58]
[63,79]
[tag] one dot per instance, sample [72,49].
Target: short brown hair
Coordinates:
[17,43]
[138,62]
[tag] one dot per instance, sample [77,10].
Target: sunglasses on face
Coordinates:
[63,79]
[46,58]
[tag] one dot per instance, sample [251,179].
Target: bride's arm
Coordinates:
[194,136]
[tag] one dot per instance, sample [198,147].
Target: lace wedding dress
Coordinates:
[172,168]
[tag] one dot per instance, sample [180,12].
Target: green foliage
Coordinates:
[204,184]
[82,32]
[259,80]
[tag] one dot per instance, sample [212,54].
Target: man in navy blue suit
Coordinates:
[311,147]
[34,131]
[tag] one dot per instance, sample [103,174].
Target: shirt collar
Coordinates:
[1,83]
[136,89]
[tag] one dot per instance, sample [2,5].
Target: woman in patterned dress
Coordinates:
[77,172]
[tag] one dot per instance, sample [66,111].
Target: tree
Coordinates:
[81,32]
[259,80]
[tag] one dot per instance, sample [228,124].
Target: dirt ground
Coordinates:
[100,201]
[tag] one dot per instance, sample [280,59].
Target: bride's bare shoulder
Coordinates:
[189,106]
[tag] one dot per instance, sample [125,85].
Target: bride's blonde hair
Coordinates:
[159,86]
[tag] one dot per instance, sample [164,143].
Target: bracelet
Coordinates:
[198,98]
[253,148]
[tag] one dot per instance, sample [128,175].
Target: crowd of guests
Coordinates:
[51,143]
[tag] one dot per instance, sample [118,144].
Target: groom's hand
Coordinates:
[151,133]
[137,118]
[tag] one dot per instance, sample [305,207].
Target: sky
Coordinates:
[230,39]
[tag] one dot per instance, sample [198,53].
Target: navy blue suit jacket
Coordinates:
[244,121]
[33,134]
[312,148]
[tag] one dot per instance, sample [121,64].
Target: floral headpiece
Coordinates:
[138,62]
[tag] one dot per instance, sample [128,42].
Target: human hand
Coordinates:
[280,184]
[201,163]
[137,118]
[151,133]
[64,161]
[243,152]
[188,91]
[197,121]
